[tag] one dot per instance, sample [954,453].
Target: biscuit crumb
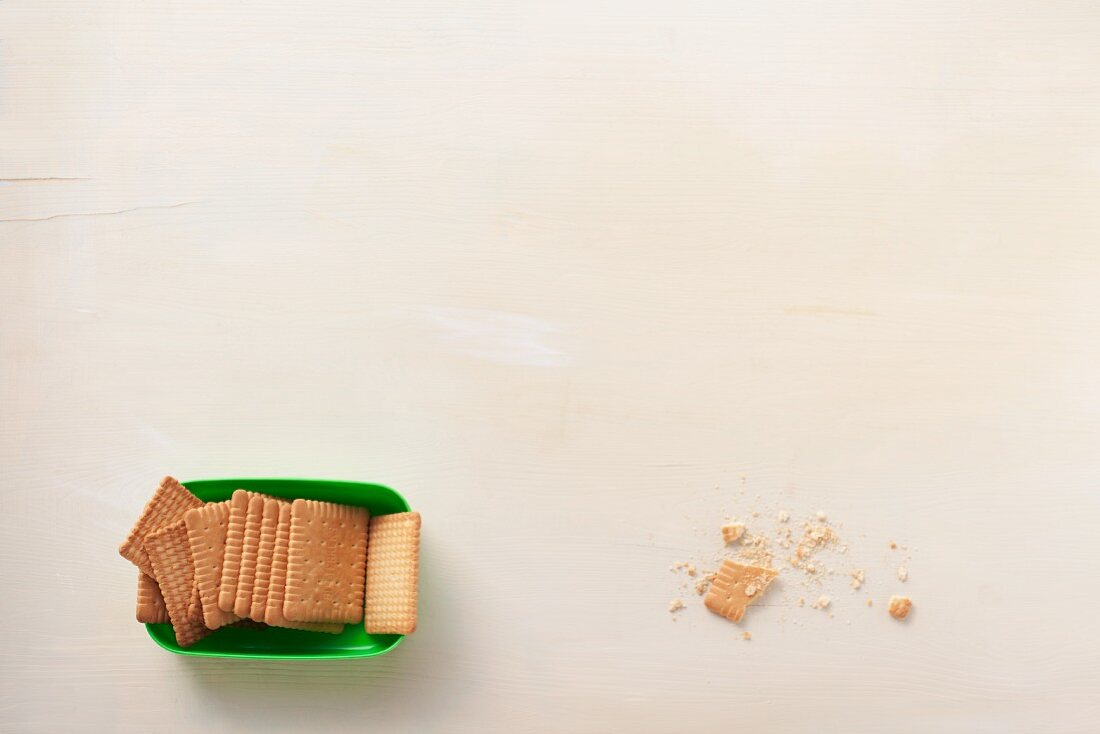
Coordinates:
[900,606]
[675,605]
[868,602]
[893,545]
[857,578]
[821,516]
[701,586]
[691,569]
[783,516]
[903,573]
[732,531]
[822,602]
[746,635]
[750,590]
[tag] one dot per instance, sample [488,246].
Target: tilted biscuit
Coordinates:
[167,505]
[150,602]
[170,555]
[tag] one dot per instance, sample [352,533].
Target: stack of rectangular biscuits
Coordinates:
[258,560]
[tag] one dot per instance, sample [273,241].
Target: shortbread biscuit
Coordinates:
[273,615]
[150,602]
[393,568]
[206,529]
[234,547]
[264,557]
[166,506]
[171,558]
[326,562]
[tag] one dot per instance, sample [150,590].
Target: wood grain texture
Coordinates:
[563,273]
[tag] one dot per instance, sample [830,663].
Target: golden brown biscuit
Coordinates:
[735,587]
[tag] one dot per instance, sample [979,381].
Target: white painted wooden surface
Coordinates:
[563,273]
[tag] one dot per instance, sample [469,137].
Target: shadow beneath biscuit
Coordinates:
[420,678]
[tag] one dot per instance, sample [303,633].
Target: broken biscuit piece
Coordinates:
[735,587]
[900,606]
[732,532]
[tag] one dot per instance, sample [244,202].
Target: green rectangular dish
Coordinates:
[274,642]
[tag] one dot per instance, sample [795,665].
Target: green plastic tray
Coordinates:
[275,642]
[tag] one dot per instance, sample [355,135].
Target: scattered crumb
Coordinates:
[808,546]
[754,550]
[746,635]
[900,606]
[732,532]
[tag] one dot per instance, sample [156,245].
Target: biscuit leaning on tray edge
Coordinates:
[300,564]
